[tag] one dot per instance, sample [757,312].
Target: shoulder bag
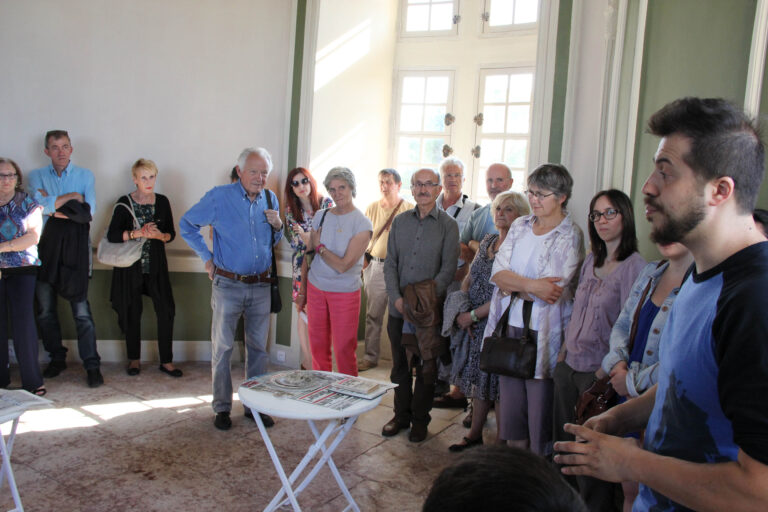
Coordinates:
[121,254]
[513,357]
[276,303]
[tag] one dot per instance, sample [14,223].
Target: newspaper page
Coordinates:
[12,400]
[309,386]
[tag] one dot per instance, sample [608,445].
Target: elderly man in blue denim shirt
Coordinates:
[52,187]
[245,229]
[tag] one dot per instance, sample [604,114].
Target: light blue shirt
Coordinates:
[242,237]
[480,224]
[72,179]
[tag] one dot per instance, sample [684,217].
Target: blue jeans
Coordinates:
[230,300]
[50,330]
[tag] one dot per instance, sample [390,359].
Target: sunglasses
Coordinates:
[303,181]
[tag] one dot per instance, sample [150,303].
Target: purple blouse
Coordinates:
[596,307]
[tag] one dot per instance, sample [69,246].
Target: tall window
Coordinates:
[505,133]
[506,15]
[424,98]
[428,17]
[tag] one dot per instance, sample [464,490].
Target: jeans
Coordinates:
[50,330]
[17,294]
[231,299]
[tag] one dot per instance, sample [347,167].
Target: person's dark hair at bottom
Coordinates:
[498,478]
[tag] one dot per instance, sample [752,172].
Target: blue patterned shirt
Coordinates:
[14,221]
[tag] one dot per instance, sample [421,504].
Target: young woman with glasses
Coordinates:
[302,201]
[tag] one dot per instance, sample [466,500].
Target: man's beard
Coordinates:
[674,229]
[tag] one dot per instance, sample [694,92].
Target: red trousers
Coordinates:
[332,319]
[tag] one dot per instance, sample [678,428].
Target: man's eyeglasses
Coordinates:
[609,214]
[417,185]
[538,195]
[303,181]
[7,177]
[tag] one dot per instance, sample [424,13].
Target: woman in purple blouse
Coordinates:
[21,222]
[606,279]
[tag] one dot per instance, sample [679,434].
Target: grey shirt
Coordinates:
[420,249]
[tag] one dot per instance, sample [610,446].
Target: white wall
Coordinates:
[187,84]
[353,90]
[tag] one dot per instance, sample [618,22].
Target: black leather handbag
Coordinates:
[274,287]
[513,357]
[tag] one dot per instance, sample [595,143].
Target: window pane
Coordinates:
[517,119]
[417,18]
[490,151]
[493,119]
[410,118]
[515,153]
[495,89]
[413,89]
[501,12]
[526,11]
[520,86]
[408,149]
[418,1]
[519,183]
[442,17]
[433,151]
[437,89]
[434,119]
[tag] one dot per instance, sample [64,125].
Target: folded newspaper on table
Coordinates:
[319,388]
[18,400]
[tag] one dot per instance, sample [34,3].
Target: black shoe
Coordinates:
[441,388]
[55,367]
[266,419]
[94,378]
[466,443]
[222,421]
[394,426]
[448,402]
[173,373]
[418,433]
[133,371]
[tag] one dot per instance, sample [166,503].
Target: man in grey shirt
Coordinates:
[423,245]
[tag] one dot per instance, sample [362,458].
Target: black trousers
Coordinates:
[164,322]
[412,402]
[17,294]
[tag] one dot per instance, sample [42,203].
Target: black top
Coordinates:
[127,281]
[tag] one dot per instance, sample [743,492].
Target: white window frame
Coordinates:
[397,103]
[403,18]
[487,29]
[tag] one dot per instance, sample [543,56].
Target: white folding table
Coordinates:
[6,449]
[339,424]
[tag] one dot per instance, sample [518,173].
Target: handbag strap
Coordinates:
[504,319]
[273,274]
[640,304]
[129,207]
[386,226]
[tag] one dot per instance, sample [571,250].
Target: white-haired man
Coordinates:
[246,225]
[455,203]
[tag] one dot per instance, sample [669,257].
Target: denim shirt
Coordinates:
[563,258]
[72,179]
[642,374]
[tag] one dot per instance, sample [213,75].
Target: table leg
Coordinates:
[332,465]
[280,472]
[6,468]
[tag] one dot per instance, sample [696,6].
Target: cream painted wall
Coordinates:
[187,84]
[353,90]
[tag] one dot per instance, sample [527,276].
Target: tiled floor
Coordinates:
[148,443]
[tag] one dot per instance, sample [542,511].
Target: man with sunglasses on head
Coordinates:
[381,214]
[246,226]
[422,252]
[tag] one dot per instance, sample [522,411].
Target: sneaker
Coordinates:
[54,369]
[366,365]
[95,379]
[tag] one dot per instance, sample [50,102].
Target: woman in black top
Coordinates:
[149,275]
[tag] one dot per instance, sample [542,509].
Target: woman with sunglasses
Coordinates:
[21,222]
[606,279]
[538,262]
[302,201]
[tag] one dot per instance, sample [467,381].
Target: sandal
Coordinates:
[466,443]
[41,391]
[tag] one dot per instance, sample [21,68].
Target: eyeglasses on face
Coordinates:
[417,185]
[538,195]
[609,214]
[7,177]
[296,183]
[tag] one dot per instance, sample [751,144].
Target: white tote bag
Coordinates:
[123,254]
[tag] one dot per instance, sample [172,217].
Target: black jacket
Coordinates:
[64,251]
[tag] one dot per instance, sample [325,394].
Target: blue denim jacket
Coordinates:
[643,374]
